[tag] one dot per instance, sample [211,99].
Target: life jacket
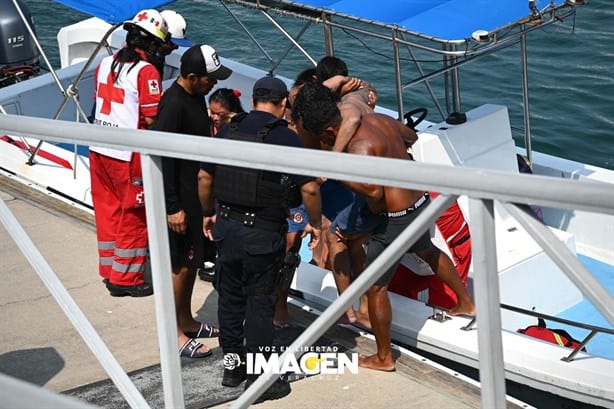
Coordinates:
[247,187]
[555,336]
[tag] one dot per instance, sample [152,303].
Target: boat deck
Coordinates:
[39,345]
[602,344]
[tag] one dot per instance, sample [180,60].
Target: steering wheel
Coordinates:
[410,122]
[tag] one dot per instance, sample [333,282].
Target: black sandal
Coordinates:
[190,350]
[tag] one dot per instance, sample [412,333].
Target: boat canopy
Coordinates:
[113,11]
[440,20]
[439,36]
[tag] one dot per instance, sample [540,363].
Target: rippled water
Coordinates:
[571,74]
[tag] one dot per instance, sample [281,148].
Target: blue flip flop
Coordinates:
[190,350]
[205,331]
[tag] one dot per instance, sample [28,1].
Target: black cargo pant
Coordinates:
[245,310]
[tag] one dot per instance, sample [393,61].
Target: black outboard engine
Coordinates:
[19,56]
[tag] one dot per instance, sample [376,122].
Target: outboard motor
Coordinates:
[19,56]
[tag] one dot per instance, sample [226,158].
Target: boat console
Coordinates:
[485,141]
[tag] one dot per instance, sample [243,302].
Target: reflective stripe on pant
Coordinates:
[119,211]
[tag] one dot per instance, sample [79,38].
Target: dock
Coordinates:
[39,345]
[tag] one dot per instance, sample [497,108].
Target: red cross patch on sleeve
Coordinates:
[154,88]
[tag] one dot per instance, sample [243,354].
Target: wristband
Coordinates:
[208,213]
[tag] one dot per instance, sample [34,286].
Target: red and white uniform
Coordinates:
[455,230]
[122,100]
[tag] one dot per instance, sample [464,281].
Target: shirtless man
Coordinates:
[353,225]
[378,135]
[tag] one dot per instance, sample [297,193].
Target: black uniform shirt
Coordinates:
[279,135]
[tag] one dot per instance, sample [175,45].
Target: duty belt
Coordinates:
[250,219]
[415,206]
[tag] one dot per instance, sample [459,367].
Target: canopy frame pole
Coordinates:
[525,99]
[72,92]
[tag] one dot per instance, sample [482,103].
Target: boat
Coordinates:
[529,259]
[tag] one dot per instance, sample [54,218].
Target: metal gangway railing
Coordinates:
[483,187]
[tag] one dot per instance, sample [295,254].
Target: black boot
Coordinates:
[140,290]
[278,390]
[234,369]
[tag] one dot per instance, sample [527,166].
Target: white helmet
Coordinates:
[150,21]
[176,26]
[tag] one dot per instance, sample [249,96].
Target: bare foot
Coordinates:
[363,320]
[281,319]
[345,320]
[374,362]
[463,307]
[281,323]
[348,318]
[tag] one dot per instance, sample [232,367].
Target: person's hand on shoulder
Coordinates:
[352,84]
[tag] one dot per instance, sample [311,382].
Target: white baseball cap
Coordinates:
[176,27]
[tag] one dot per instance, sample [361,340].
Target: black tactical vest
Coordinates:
[246,187]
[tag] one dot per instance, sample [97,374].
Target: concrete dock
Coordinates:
[40,346]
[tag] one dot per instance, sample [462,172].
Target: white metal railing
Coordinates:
[70,308]
[482,186]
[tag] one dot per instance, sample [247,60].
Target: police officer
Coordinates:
[249,227]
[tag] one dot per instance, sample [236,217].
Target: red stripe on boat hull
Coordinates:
[41,152]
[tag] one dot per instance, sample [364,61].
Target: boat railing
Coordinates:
[593,329]
[441,316]
[483,187]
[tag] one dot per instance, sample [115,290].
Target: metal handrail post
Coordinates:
[289,37]
[70,308]
[397,74]
[525,98]
[164,297]
[427,84]
[375,270]
[487,300]
[329,42]
[455,77]
[18,394]
[248,33]
[293,43]
[566,261]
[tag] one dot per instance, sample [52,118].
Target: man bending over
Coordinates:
[378,135]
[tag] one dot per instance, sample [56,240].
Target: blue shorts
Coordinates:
[298,219]
[335,198]
[357,218]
